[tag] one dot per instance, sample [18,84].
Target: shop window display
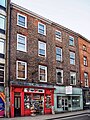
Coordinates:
[35,101]
[59,102]
[75,101]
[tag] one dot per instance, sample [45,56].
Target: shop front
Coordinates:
[86,98]
[24,97]
[67,99]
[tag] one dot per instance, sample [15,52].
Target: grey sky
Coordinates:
[73,14]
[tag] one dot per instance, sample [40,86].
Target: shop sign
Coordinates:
[34,90]
[68,89]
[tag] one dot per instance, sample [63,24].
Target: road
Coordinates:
[79,117]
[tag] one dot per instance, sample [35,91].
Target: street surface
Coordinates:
[79,117]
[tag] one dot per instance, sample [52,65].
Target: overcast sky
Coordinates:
[73,14]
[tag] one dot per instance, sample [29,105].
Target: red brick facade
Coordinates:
[31,56]
[84,52]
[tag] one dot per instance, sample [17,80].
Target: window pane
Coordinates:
[21,69]
[41,28]
[42,73]
[42,48]
[71,40]
[72,58]
[21,47]
[2,22]
[21,43]
[3,3]
[1,73]
[58,34]
[2,46]
[42,52]
[59,54]
[22,20]
[73,78]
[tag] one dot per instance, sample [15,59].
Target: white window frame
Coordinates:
[85,61]
[44,28]
[58,54]
[57,36]
[74,75]
[4,22]
[25,20]
[17,70]
[72,58]
[86,80]
[43,49]
[19,43]
[61,71]
[45,73]
[71,38]
[2,41]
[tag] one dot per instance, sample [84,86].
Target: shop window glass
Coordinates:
[27,101]
[87,97]
[59,102]
[75,101]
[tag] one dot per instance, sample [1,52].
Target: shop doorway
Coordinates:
[17,106]
[65,103]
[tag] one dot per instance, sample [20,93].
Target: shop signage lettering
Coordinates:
[33,90]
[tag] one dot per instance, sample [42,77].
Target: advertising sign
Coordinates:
[68,89]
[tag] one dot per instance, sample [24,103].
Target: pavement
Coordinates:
[50,116]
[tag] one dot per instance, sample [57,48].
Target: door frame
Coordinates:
[65,106]
[18,98]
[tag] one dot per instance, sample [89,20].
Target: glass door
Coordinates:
[65,103]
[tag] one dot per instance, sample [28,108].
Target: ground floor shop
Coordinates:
[28,98]
[67,99]
[86,98]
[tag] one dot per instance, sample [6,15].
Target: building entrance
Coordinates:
[17,106]
[65,103]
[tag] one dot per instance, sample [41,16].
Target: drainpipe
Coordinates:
[7,103]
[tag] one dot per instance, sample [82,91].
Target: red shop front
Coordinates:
[22,98]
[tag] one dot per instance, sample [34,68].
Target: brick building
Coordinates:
[4,48]
[84,56]
[44,65]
